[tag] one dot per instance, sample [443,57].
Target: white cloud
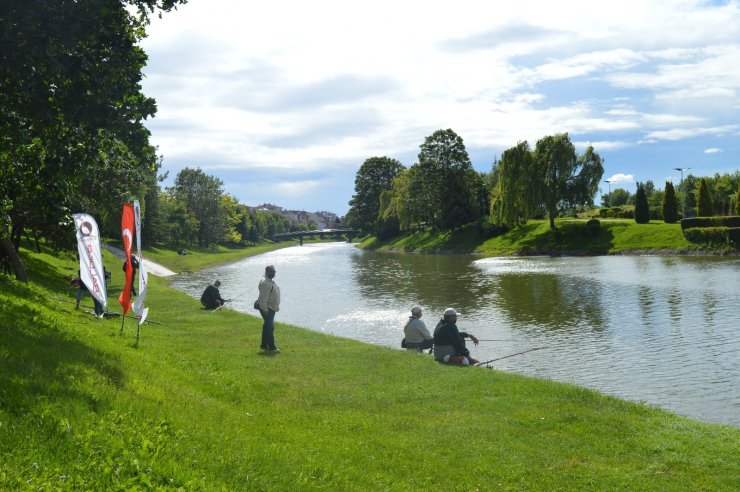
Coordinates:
[713,150]
[298,87]
[621,179]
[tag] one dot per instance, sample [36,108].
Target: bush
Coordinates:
[706,234]
[724,221]
[490,230]
[593,227]
[733,236]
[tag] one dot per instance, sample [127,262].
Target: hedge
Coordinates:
[723,221]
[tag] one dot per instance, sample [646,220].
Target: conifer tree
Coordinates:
[670,204]
[704,201]
[642,209]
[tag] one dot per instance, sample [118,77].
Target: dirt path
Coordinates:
[151,267]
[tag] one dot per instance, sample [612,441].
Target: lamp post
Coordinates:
[683,198]
[609,183]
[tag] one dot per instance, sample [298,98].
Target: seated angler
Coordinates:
[211,297]
[449,343]
[416,335]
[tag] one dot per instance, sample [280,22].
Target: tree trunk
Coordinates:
[9,250]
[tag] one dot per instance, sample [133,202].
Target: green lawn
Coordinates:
[196,406]
[570,237]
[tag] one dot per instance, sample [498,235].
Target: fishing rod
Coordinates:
[497,340]
[507,356]
[110,313]
[229,300]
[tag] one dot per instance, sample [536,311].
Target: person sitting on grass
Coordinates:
[416,336]
[211,298]
[449,343]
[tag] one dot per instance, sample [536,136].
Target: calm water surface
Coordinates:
[663,330]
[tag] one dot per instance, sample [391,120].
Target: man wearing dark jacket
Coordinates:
[449,343]
[211,297]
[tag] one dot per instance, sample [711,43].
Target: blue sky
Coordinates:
[284,100]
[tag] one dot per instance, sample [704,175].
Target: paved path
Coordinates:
[151,267]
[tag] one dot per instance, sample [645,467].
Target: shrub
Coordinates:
[725,221]
[706,234]
[593,227]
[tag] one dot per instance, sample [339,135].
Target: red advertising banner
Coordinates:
[127,232]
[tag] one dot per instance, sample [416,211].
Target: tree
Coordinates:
[564,179]
[618,197]
[516,194]
[201,195]
[670,204]
[737,201]
[704,201]
[374,176]
[642,209]
[71,92]
[447,181]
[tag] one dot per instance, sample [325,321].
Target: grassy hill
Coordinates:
[571,237]
[196,406]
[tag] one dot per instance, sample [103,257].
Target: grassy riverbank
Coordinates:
[196,406]
[616,236]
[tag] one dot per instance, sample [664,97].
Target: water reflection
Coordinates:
[655,329]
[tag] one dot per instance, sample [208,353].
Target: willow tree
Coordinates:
[564,178]
[515,194]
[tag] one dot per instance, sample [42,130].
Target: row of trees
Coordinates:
[195,210]
[442,189]
[721,191]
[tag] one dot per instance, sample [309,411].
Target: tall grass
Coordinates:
[196,406]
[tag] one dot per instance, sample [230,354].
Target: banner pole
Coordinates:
[123,320]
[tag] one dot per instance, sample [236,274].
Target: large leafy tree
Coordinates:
[670,204]
[374,177]
[448,181]
[565,179]
[201,194]
[70,93]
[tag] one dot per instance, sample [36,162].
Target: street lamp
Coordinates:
[610,192]
[683,198]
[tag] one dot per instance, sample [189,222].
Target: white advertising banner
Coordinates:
[91,261]
[139,309]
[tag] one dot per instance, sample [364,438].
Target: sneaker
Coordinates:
[274,350]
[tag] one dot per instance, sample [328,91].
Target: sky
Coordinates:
[284,100]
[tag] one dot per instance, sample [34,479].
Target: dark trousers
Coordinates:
[268,329]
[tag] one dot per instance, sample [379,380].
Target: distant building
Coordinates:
[322,219]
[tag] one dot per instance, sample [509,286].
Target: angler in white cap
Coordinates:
[449,342]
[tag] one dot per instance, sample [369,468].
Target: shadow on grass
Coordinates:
[41,362]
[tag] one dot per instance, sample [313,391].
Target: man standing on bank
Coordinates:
[449,342]
[269,303]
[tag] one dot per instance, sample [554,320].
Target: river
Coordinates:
[662,330]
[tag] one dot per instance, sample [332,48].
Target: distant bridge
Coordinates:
[336,233]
